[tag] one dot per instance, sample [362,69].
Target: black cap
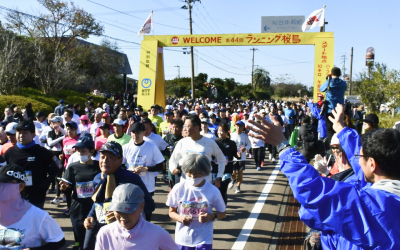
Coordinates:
[146,120]
[105,126]
[12,172]
[371,118]
[26,125]
[212,115]
[137,126]
[84,141]
[40,114]
[135,118]
[113,147]
[69,106]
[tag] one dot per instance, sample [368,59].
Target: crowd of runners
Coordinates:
[104,164]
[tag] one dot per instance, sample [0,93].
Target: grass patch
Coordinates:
[386,120]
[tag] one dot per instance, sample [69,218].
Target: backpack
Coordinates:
[309,139]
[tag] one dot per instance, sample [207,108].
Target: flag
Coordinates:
[317,18]
[147,26]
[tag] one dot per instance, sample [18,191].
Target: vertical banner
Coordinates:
[147,73]
[324,59]
[160,79]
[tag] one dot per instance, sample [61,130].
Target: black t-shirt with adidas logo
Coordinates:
[39,170]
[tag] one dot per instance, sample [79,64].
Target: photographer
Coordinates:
[334,88]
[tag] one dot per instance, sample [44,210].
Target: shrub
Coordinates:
[22,101]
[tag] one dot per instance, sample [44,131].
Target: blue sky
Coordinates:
[358,24]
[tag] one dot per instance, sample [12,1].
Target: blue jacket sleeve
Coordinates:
[350,141]
[324,87]
[336,206]
[92,212]
[314,110]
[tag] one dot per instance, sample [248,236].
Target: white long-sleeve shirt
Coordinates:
[205,146]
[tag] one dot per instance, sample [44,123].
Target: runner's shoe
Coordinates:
[56,202]
[66,212]
[230,186]
[262,163]
[237,190]
[273,160]
[270,156]
[165,178]
[258,169]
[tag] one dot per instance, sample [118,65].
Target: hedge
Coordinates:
[44,103]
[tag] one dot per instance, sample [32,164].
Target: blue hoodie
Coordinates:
[335,94]
[349,216]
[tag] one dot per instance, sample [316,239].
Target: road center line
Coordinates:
[251,221]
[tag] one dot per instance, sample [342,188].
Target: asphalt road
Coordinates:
[258,232]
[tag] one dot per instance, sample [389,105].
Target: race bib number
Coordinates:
[193,208]
[133,166]
[84,189]
[28,176]
[101,211]
[69,150]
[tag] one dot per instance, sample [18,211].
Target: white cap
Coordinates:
[263,111]
[10,128]
[98,110]
[118,122]
[57,119]
[335,140]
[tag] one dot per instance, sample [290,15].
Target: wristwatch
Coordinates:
[216,217]
[282,146]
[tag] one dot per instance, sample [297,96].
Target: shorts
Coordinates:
[239,165]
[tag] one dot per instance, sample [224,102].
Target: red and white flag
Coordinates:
[317,18]
[147,26]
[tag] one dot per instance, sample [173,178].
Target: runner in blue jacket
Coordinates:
[349,217]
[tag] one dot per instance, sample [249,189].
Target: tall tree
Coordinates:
[13,62]
[55,33]
[261,80]
[372,86]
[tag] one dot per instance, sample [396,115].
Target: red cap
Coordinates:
[105,115]
[197,107]
[320,95]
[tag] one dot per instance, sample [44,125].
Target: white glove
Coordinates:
[321,165]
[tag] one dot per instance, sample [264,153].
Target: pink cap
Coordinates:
[84,117]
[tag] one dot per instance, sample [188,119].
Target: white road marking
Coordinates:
[251,221]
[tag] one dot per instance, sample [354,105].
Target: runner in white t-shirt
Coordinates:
[142,157]
[191,204]
[21,223]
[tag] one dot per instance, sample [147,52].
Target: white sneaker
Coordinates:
[55,202]
[230,186]
[64,198]
[273,160]
[237,190]
[270,156]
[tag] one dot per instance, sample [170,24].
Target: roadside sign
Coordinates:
[278,24]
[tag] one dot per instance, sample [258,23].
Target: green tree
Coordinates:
[373,86]
[55,35]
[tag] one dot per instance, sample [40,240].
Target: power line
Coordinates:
[221,68]
[162,4]
[135,16]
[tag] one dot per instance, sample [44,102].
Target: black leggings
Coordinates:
[258,155]
[272,150]
[223,189]
[79,231]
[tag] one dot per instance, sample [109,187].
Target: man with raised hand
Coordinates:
[349,217]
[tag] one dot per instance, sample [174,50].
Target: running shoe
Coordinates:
[262,163]
[270,156]
[66,212]
[273,160]
[56,202]
[251,155]
[230,186]
[165,178]
[237,190]
[258,169]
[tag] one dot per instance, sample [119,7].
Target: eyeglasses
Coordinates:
[358,156]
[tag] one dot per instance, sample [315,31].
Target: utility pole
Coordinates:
[351,70]
[252,68]
[179,71]
[344,66]
[191,47]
